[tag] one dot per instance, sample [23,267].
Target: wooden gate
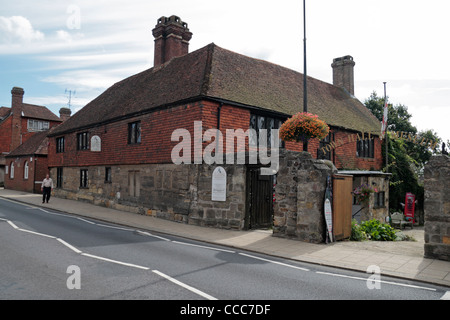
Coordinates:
[259,199]
[342,206]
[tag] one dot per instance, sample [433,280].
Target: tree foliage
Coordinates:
[406,157]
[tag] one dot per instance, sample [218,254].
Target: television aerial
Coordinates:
[70,92]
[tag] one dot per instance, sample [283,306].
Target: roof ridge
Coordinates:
[208,67]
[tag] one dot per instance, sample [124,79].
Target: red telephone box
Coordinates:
[410,201]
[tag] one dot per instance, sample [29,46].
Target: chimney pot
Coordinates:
[64,113]
[171,39]
[343,73]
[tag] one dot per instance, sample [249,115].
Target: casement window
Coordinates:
[379,198]
[365,146]
[38,125]
[325,148]
[84,178]
[134,132]
[60,144]
[83,141]
[108,175]
[59,177]
[258,122]
[25,170]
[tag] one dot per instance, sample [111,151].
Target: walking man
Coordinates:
[46,188]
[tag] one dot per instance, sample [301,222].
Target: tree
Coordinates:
[406,157]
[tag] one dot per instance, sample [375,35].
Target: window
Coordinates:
[83,141]
[108,175]
[38,125]
[84,179]
[324,151]
[59,177]
[11,171]
[134,132]
[60,145]
[25,170]
[365,146]
[258,122]
[379,199]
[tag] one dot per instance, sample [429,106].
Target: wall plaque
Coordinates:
[96,144]
[219,185]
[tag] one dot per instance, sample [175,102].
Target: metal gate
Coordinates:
[342,206]
[259,199]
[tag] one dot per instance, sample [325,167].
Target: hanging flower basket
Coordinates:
[362,193]
[302,127]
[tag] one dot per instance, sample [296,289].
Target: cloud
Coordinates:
[18,29]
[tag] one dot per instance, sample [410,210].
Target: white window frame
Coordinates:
[25,170]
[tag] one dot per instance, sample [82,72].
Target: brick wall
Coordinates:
[5,135]
[37,169]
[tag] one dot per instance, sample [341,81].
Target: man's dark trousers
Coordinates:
[46,194]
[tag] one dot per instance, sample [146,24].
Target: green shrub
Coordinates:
[357,233]
[378,231]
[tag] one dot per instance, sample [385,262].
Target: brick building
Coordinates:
[18,124]
[116,151]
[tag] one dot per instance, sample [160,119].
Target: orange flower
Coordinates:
[303,126]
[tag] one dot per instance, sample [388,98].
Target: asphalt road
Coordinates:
[51,255]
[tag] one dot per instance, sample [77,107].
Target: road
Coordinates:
[52,255]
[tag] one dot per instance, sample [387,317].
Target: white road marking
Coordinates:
[188,287]
[115,261]
[381,281]
[204,247]
[68,245]
[276,262]
[85,220]
[114,227]
[446,296]
[151,235]
[12,224]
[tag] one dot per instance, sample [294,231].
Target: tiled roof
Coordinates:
[219,73]
[4,112]
[38,112]
[36,144]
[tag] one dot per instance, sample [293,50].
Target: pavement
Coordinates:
[401,259]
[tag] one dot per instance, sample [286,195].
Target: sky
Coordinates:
[56,49]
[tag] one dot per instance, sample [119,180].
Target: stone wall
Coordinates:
[300,195]
[437,208]
[175,192]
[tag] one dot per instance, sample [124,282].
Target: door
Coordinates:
[259,199]
[342,206]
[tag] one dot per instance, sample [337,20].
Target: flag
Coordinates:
[384,122]
[385,115]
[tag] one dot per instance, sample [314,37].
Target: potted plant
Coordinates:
[303,126]
[362,193]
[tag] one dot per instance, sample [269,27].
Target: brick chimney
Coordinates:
[171,39]
[16,109]
[343,73]
[64,113]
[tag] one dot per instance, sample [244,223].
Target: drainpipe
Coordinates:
[219,109]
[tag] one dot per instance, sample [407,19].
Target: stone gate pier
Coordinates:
[437,208]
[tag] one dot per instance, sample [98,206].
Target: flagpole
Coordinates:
[386,132]
[305,97]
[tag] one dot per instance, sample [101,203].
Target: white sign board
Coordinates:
[96,144]
[219,185]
